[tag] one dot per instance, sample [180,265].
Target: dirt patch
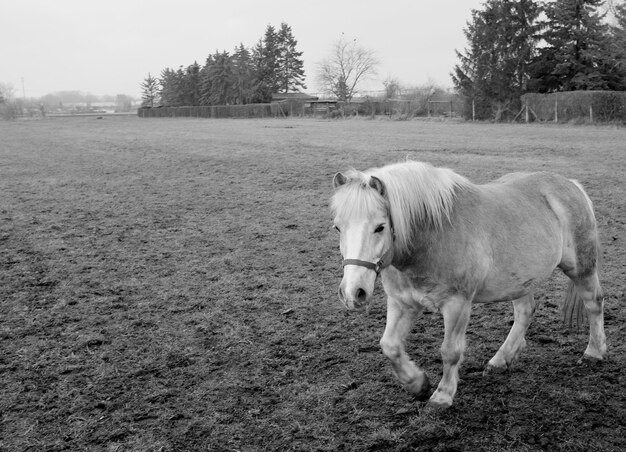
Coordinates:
[170,285]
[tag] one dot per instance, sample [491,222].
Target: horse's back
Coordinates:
[568,202]
[522,226]
[543,192]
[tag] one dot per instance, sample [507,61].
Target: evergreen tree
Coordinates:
[190,85]
[149,92]
[618,34]
[266,57]
[171,87]
[243,75]
[578,52]
[493,72]
[218,80]
[290,65]
[246,76]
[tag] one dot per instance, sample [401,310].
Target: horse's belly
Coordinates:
[519,268]
[508,289]
[487,296]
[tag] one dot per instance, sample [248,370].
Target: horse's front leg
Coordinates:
[399,322]
[456,314]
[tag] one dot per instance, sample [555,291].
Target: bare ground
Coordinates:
[169,285]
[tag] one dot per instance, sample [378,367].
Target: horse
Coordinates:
[440,242]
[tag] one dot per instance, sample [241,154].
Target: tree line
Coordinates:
[521,46]
[247,75]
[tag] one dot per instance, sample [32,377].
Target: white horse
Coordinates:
[441,242]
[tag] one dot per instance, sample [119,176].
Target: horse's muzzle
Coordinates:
[355,298]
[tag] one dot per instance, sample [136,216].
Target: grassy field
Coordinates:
[170,285]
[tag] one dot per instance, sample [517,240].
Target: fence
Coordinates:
[576,106]
[273,110]
[333,109]
[219,111]
[400,108]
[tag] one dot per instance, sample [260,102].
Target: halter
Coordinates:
[384,261]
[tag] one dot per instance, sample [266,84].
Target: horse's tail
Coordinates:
[573,307]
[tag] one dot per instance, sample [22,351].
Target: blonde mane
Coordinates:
[417,195]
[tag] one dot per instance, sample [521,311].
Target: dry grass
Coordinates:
[170,285]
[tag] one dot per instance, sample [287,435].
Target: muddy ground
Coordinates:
[170,285]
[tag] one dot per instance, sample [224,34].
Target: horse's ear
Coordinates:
[377,185]
[339,180]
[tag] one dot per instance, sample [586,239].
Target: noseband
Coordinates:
[383,262]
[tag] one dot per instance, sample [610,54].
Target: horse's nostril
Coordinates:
[361,295]
[341,297]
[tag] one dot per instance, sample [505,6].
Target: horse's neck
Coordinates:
[430,245]
[421,247]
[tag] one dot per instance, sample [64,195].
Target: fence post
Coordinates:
[526,113]
[473,110]
[556,107]
[591,113]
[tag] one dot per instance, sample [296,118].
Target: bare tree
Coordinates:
[6,93]
[349,64]
[392,87]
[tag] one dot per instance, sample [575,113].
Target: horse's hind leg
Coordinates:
[515,341]
[580,263]
[588,292]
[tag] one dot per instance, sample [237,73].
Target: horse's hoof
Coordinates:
[420,391]
[440,401]
[494,370]
[590,361]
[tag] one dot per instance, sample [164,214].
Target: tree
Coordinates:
[577,55]
[392,87]
[243,71]
[348,65]
[190,85]
[218,80]
[150,91]
[246,76]
[265,57]
[618,34]
[7,106]
[290,67]
[171,87]
[6,93]
[494,70]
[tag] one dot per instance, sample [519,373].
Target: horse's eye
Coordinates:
[380,228]
[337,228]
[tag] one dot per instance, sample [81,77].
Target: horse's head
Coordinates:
[366,234]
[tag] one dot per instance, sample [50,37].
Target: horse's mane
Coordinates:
[418,196]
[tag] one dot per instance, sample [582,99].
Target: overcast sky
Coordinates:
[110,46]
